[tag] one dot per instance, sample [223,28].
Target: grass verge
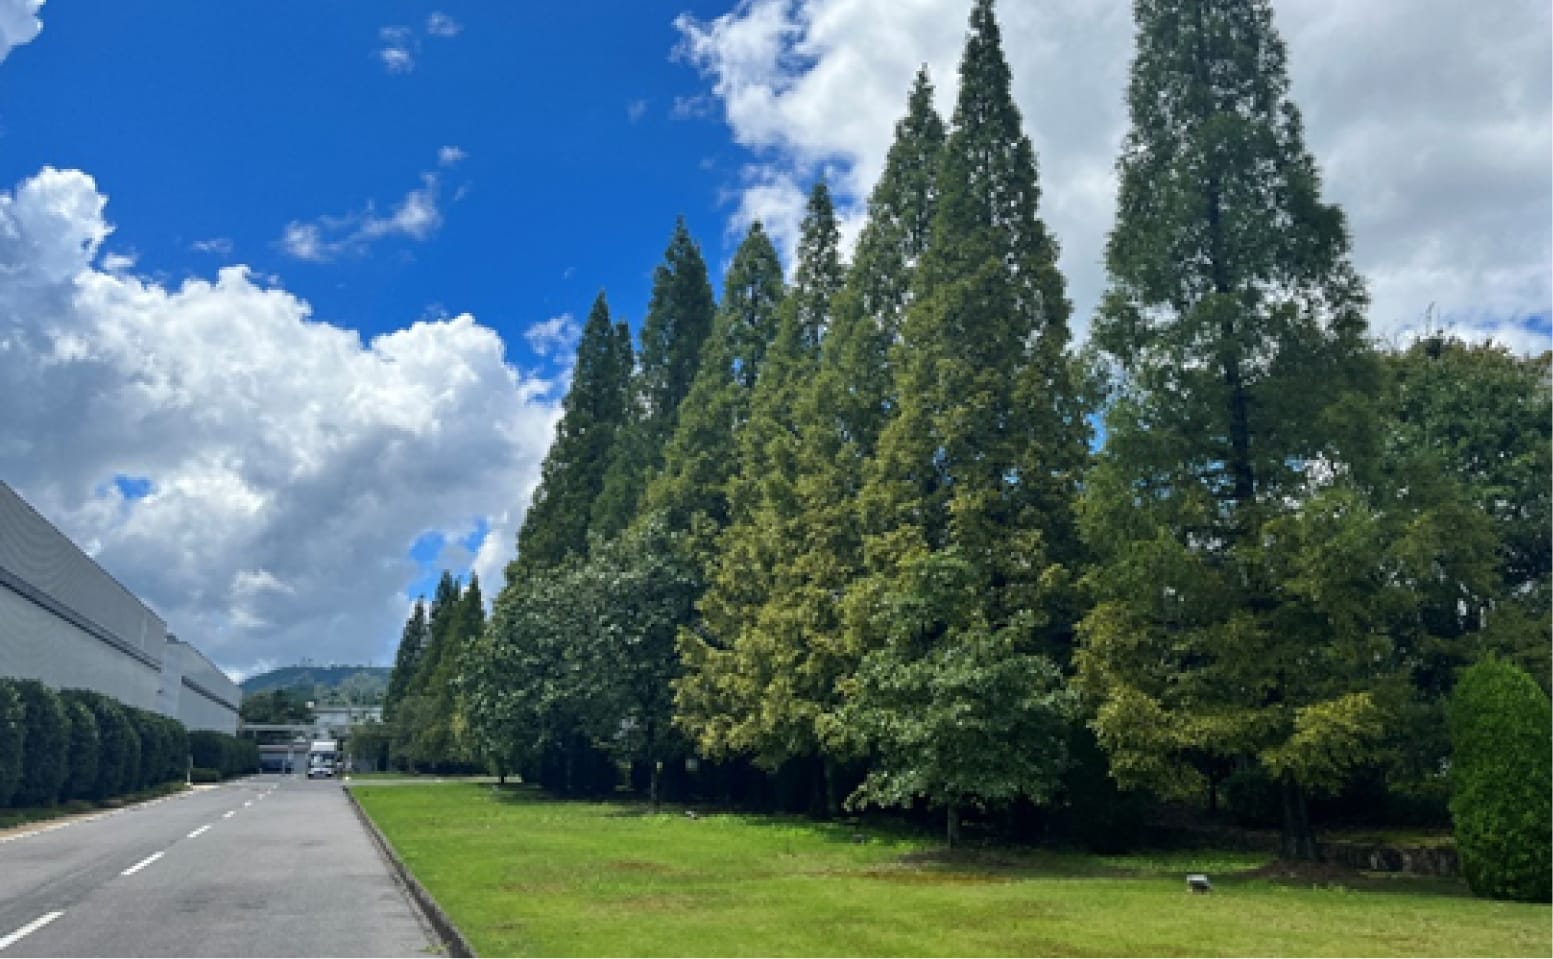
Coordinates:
[524,875]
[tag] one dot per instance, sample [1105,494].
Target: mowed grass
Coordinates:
[523,875]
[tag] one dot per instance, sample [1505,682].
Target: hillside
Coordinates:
[361,684]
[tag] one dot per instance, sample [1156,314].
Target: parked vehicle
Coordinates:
[322,759]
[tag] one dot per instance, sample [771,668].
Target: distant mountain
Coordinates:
[325,684]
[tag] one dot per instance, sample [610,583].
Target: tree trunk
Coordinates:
[1298,840]
[954,825]
[832,788]
[652,784]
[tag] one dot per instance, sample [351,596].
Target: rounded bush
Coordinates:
[12,735]
[82,752]
[46,742]
[1502,782]
[115,758]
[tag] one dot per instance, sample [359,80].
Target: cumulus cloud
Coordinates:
[1430,120]
[416,217]
[285,465]
[19,24]
[451,156]
[439,24]
[555,336]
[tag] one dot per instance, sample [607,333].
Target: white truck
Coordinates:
[322,758]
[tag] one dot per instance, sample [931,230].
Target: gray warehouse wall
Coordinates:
[66,622]
[196,692]
[36,644]
[34,556]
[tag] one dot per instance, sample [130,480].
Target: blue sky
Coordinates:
[288,290]
[226,121]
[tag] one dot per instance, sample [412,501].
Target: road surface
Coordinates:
[267,866]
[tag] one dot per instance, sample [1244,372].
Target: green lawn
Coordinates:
[522,875]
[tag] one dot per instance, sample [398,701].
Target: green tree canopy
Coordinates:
[973,478]
[737,694]
[691,492]
[679,318]
[595,410]
[1251,566]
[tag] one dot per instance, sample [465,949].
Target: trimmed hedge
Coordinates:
[222,754]
[1502,782]
[78,744]
[45,743]
[81,755]
[11,736]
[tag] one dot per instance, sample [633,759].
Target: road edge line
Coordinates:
[452,939]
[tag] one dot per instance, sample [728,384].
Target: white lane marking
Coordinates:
[248,803]
[229,815]
[143,863]
[29,929]
[195,834]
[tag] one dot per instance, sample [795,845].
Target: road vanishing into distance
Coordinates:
[266,866]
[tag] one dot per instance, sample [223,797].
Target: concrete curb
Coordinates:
[452,940]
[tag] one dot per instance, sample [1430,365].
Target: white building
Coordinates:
[68,623]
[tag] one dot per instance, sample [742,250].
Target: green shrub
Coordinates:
[116,757]
[176,762]
[129,744]
[45,742]
[223,752]
[153,754]
[202,774]
[12,735]
[81,754]
[1502,781]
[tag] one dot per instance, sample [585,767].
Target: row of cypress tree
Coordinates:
[860,525]
[422,726]
[77,744]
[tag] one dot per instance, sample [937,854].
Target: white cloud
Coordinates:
[396,53]
[19,24]
[636,109]
[1431,120]
[219,245]
[555,336]
[451,156]
[119,262]
[440,24]
[416,216]
[290,463]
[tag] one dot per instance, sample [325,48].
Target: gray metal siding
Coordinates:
[66,622]
[36,644]
[44,559]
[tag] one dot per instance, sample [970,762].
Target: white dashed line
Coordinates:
[247,804]
[143,863]
[195,833]
[29,929]
[229,815]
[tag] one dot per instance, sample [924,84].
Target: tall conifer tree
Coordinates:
[968,500]
[407,660]
[1241,587]
[593,413]
[737,692]
[690,494]
[679,318]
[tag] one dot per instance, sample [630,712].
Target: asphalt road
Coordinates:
[267,866]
